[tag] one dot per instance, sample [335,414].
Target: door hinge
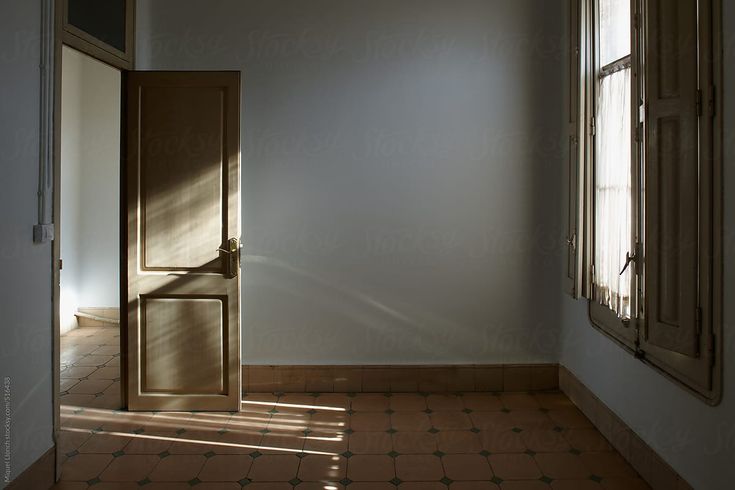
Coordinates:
[593,128]
[61,264]
[699,103]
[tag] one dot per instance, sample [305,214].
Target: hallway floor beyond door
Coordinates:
[474,441]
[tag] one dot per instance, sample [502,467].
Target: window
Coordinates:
[644,244]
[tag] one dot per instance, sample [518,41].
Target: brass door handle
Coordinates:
[231,264]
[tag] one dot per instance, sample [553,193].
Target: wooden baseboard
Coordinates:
[385,379]
[635,450]
[40,475]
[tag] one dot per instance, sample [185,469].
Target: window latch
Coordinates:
[628,259]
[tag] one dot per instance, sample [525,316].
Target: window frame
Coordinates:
[632,335]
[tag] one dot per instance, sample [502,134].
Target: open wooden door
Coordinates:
[183,227]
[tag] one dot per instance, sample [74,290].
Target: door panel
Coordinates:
[183,164]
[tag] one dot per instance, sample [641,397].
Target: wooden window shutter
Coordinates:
[572,269]
[671,186]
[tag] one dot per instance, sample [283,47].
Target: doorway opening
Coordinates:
[90,370]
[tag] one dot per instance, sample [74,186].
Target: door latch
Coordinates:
[231,263]
[628,259]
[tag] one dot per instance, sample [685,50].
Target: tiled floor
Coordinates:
[472,441]
[90,367]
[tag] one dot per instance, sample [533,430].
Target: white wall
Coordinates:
[25,268]
[396,161]
[90,198]
[696,439]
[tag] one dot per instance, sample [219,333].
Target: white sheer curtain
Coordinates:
[613,193]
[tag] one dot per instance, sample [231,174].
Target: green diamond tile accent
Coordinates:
[475,430]
[144,482]
[245,481]
[117,454]
[349,431]
[273,411]
[352,395]
[311,412]
[350,412]
[391,431]
[438,453]
[278,393]
[180,431]
[222,432]
[484,453]
[467,411]
[264,431]
[78,411]
[530,453]
[164,454]
[389,411]
[394,454]
[347,454]
[100,429]
[424,394]
[295,481]
[73,453]
[517,430]
[93,481]
[596,478]
[497,480]
[97,395]
[396,481]
[194,482]
[575,451]
[139,430]
[209,454]
[301,455]
[434,430]
[546,479]
[345,481]
[316,395]
[505,410]
[428,411]
[558,429]
[307,432]
[446,481]
[256,454]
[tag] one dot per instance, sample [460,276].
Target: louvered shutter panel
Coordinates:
[671,187]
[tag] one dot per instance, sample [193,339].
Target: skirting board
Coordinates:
[640,455]
[39,475]
[385,379]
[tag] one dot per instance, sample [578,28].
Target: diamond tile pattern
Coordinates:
[307,441]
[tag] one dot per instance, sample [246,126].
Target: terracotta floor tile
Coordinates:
[332,401]
[370,443]
[467,467]
[223,468]
[587,440]
[441,402]
[481,401]
[91,360]
[502,441]
[84,467]
[422,486]
[274,468]
[473,485]
[553,400]
[370,421]
[531,419]
[270,486]
[129,468]
[519,401]
[545,441]
[608,464]
[328,442]
[458,442]
[166,486]
[371,486]
[446,420]
[90,386]
[517,466]
[414,443]
[218,486]
[325,421]
[366,402]
[412,402]
[313,485]
[495,421]
[150,443]
[322,468]
[624,484]
[570,418]
[410,421]
[370,468]
[103,443]
[419,468]
[177,467]
[117,485]
[277,443]
[77,372]
[524,485]
[562,466]
[575,485]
